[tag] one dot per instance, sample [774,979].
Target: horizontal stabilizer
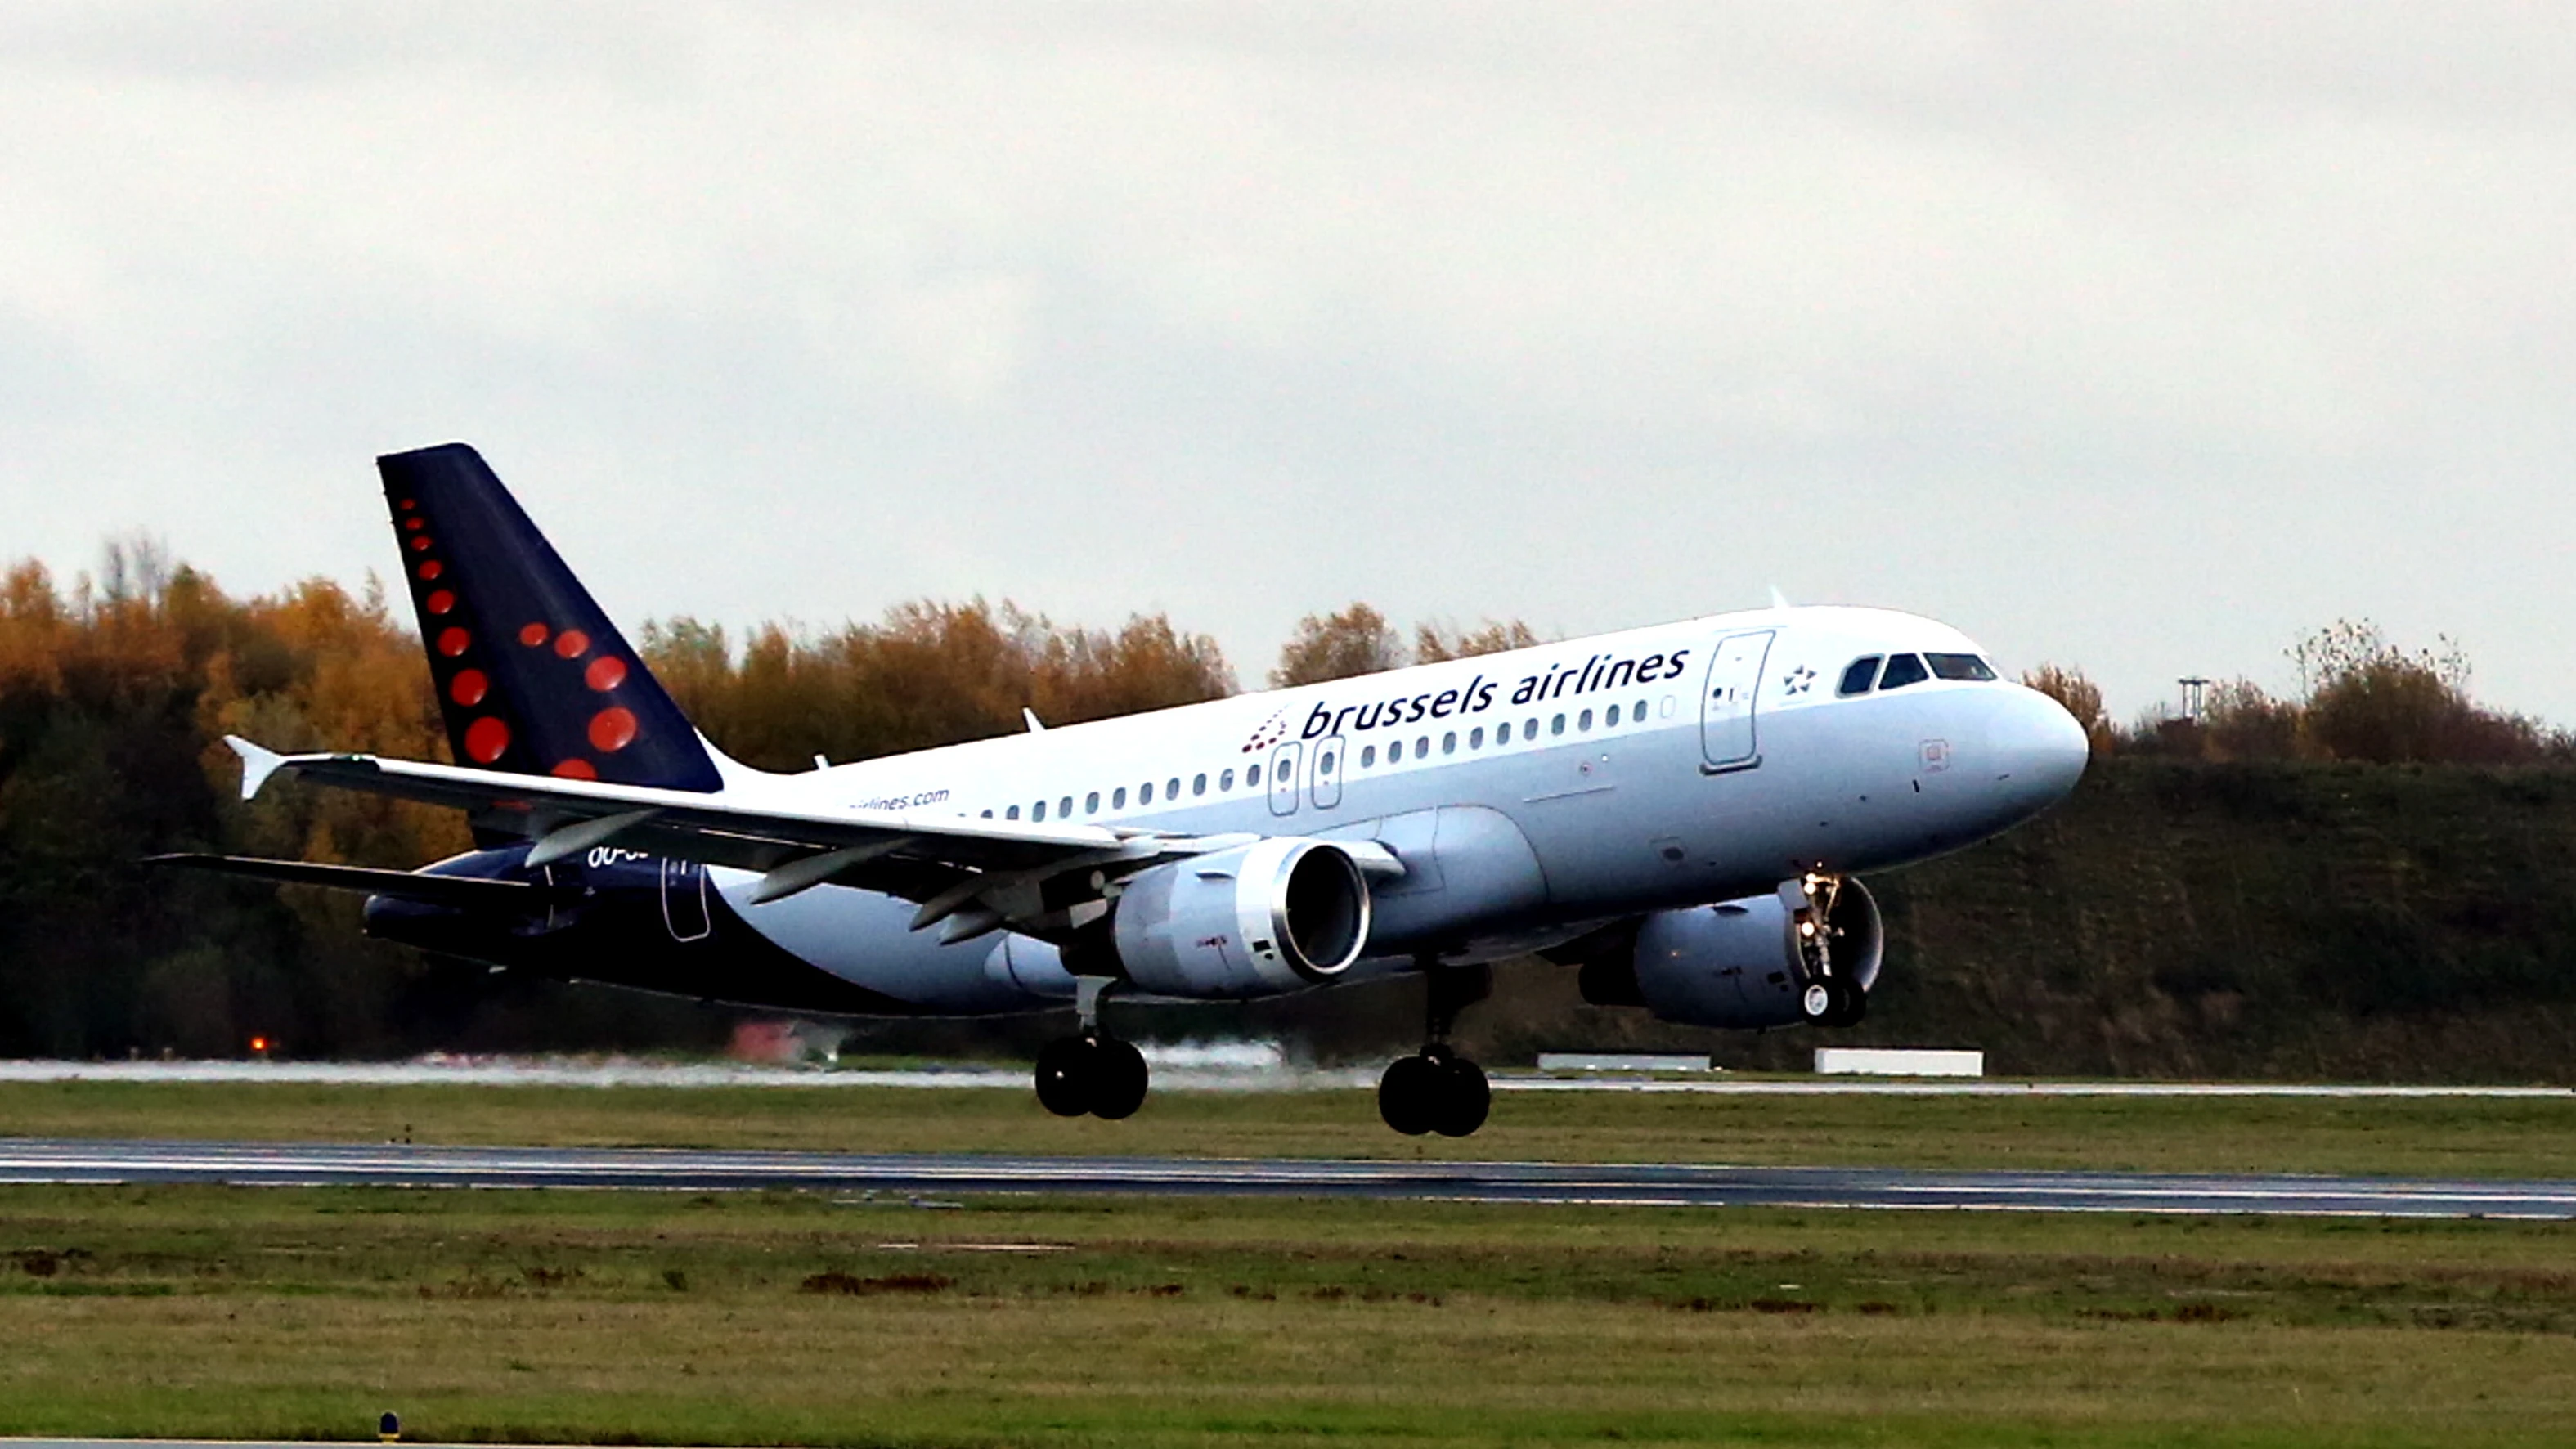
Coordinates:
[462,891]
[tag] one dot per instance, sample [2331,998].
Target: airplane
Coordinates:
[1680,813]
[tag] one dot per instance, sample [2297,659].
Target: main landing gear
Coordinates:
[1092,1072]
[1439,1090]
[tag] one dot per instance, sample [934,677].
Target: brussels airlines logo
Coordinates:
[1272,731]
[1557,681]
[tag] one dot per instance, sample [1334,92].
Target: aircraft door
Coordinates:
[1328,771]
[1283,779]
[1726,724]
[684,900]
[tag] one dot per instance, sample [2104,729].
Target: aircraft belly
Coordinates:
[867,939]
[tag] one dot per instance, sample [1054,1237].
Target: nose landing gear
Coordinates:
[1438,1090]
[1092,1072]
[1830,996]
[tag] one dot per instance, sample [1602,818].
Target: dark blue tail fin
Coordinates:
[531,675]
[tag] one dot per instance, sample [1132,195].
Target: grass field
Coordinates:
[2440,1136]
[751,1318]
[795,1318]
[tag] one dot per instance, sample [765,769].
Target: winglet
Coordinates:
[257,764]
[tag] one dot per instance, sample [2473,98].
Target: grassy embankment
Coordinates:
[2466,1137]
[749,1318]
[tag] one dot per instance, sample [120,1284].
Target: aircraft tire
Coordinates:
[1065,1074]
[1465,1098]
[1118,1080]
[1850,1006]
[1408,1095]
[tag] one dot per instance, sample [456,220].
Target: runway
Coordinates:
[256,1164]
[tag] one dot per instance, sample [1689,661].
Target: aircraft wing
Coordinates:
[983,873]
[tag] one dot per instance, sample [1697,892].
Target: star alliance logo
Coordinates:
[1797,680]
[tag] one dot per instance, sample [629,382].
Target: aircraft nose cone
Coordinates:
[2040,751]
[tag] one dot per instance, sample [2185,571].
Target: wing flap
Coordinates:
[467,892]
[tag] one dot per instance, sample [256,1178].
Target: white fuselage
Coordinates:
[1530,795]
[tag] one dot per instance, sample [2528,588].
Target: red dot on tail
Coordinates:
[407,505]
[468,687]
[571,642]
[414,524]
[440,601]
[485,739]
[577,770]
[605,673]
[612,729]
[533,635]
[431,568]
[420,543]
[452,642]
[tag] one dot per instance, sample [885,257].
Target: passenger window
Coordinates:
[1198,784]
[1368,756]
[1611,720]
[1172,788]
[1529,729]
[1639,713]
[1011,814]
[1556,726]
[1959,666]
[1902,670]
[1394,751]
[1858,674]
[1225,781]
[1503,733]
[1145,793]
[1038,812]
[988,814]
[1476,738]
[1252,777]
[1583,721]
[1449,743]
[1118,798]
[1421,746]
[1064,808]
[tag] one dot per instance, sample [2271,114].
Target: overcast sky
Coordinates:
[2141,338]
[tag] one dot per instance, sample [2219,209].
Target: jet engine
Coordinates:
[1807,953]
[1275,916]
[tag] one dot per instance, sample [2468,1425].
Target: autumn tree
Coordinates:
[1359,640]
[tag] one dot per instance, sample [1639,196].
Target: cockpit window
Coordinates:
[1959,666]
[1857,676]
[1902,670]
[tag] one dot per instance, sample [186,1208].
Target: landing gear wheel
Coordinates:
[1408,1096]
[1465,1098]
[1100,1075]
[1833,1001]
[1066,1070]
[1118,1080]
[1434,1092]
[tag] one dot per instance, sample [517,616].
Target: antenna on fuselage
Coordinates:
[1780,600]
[1036,727]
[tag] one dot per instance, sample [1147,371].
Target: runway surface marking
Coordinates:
[258,1164]
[545,1073]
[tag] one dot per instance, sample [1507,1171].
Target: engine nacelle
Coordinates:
[1275,916]
[1737,963]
